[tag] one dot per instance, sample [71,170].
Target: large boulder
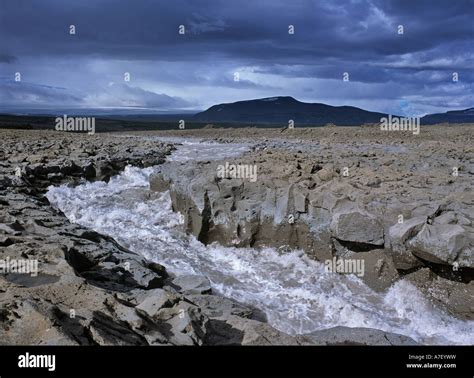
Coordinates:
[442,244]
[182,324]
[357,226]
[257,333]
[399,234]
[155,300]
[192,284]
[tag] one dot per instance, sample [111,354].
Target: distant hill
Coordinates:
[454,116]
[278,110]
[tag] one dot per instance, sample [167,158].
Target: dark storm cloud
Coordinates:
[7,58]
[224,36]
[14,93]
[149,28]
[125,95]
[115,95]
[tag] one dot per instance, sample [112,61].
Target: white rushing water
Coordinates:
[296,293]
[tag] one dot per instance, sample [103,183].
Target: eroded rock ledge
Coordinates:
[403,221]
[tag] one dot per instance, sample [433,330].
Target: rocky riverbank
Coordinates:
[403,205]
[89,290]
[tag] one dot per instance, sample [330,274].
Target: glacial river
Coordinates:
[296,293]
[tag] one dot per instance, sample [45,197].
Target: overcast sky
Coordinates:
[408,74]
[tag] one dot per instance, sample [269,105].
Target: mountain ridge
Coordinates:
[451,116]
[281,109]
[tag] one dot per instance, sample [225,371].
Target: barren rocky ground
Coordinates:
[401,202]
[345,189]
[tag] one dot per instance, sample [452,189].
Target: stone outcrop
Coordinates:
[352,205]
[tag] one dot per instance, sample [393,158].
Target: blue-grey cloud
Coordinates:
[360,37]
[23,94]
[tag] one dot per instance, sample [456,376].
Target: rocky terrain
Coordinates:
[88,289]
[400,202]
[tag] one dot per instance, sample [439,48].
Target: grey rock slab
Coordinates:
[258,333]
[357,226]
[442,244]
[193,284]
[216,307]
[356,336]
[155,300]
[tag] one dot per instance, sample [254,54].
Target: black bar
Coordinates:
[295,361]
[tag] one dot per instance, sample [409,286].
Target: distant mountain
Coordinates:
[278,110]
[454,116]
